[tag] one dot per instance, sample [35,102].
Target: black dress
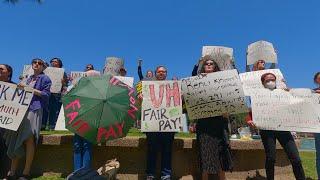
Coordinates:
[213,145]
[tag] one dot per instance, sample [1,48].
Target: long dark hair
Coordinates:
[10,70]
[209,58]
[315,77]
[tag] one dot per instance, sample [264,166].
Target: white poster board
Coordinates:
[76,76]
[223,56]
[55,75]
[252,80]
[61,123]
[286,111]
[261,50]
[127,80]
[14,103]
[161,106]
[213,94]
[113,65]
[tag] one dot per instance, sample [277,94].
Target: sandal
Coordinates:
[24,177]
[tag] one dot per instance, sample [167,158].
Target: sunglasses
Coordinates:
[89,67]
[37,62]
[208,64]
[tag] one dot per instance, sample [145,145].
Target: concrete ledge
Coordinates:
[55,155]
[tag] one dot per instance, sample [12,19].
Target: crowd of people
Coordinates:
[212,134]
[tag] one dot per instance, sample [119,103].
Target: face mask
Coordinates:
[270,85]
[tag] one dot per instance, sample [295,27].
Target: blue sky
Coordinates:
[167,32]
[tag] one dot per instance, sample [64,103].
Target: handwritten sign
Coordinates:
[55,75]
[161,106]
[213,94]
[76,76]
[261,50]
[14,103]
[113,65]
[252,80]
[223,56]
[286,111]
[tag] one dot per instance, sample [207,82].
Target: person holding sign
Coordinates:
[212,137]
[284,137]
[317,135]
[29,130]
[55,103]
[5,76]
[157,141]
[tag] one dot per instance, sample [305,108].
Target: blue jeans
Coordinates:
[317,142]
[54,110]
[156,142]
[82,152]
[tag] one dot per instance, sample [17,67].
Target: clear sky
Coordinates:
[167,32]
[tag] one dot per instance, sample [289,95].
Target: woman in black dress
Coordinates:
[213,138]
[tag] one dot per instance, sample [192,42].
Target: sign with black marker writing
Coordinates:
[14,103]
[213,94]
[76,76]
[280,110]
[161,106]
[252,80]
[261,50]
[223,56]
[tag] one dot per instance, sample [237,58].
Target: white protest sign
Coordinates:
[113,65]
[252,80]
[76,76]
[14,103]
[161,106]
[285,111]
[55,75]
[127,80]
[213,94]
[61,123]
[223,56]
[261,50]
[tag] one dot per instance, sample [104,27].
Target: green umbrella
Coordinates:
[100,108]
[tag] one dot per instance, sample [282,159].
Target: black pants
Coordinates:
[159,141]
[287,142]
[4,159]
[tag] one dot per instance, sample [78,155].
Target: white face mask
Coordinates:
[270,85]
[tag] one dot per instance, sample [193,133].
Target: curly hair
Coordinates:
[206,58]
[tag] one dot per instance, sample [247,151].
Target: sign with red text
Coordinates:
[113,65]
[14,103]
[213,94]
[161,106]
[297,110]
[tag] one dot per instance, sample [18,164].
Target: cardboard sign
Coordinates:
[252,80]
[261,50]
[55,75]
[61,124]
[161,106]
[14,103]
[297,110]
[213,94]
[223,56]
[113,65]
[76,76]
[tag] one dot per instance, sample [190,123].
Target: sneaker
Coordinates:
[167,177]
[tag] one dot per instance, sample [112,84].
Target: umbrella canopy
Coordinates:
[100,108]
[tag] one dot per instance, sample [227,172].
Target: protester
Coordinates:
[317,135]
[149,74]
[123,71]
[23,141]
[55,103]
[159,141]
[5,76]
[259,65]
[213,137]
[82,149]
[284,137]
